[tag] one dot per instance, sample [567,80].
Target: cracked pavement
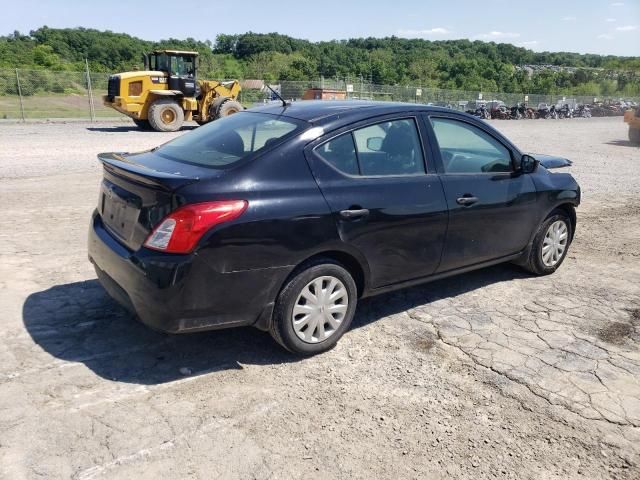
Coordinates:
[491,374]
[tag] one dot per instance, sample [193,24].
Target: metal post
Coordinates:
[20,95]
[92,111]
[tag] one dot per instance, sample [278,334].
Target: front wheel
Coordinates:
[314,308]
[634,135]
[550,245]
[229,107]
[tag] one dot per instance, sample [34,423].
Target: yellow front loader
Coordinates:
[167,92]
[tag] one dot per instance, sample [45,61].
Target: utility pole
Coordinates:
[92,110]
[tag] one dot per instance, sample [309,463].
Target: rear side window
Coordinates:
[341,153]
[384,149]
[465,148]
[228,140]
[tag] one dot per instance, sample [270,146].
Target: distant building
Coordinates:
[324,94]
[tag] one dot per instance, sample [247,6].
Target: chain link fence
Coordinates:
[43,94]
[455,99]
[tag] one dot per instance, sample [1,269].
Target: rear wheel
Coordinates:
[634,135]
[165,115]
[550,245]
[314,308]
[229,108]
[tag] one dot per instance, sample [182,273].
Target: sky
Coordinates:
[587,26]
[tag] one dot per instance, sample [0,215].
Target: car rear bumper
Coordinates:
[181,293]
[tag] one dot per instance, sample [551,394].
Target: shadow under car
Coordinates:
[79,322]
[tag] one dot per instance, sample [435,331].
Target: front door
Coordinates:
[384,202]
[491,207]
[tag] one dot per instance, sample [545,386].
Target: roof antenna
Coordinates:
[285,104]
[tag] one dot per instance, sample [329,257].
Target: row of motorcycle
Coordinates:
[523,111]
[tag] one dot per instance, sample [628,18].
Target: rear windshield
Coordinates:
[226,141]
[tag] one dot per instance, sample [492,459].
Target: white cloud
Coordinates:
[570,18]
[627,28]
[610,20]
[605,36]
[497,35]
[430,32]
[617,4]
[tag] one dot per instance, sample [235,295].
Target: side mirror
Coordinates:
[528,164]
[374,144]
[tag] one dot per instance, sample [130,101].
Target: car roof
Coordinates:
[323,111]
[335,114]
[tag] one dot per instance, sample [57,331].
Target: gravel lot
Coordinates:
[493,374]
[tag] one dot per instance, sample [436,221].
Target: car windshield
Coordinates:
[228,140]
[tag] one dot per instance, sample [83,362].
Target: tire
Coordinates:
[142,124]
[535,263]
[229,108]
[634,135]
[324,272]
[165,115]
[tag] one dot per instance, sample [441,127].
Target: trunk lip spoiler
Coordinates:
[118,164]
[551,161]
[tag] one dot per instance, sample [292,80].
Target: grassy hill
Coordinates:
[451,64]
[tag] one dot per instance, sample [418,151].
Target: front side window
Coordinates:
[228,140]
[465,148]
[386,148]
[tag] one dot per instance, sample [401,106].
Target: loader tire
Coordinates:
[634,135]
[165,115]
[229,108]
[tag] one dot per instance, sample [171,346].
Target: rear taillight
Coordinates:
[180,231]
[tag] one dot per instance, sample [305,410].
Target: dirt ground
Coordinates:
[492,374]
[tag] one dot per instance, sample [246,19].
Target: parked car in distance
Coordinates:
[283,217]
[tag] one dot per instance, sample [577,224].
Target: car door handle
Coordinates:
[353,214]
[467,200]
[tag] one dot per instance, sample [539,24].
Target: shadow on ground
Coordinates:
[78,322]
[133,128]
[623,143]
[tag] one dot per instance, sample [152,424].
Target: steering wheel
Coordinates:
[495,166]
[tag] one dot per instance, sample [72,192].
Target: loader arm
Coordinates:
[213,95]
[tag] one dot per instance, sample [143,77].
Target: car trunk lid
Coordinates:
[139,190]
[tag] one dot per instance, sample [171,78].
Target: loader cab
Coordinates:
[180,67]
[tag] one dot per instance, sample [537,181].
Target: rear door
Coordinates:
[385,201]
[491,206]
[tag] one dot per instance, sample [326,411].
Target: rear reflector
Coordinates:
[181,230]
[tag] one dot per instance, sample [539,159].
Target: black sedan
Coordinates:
[283,217]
